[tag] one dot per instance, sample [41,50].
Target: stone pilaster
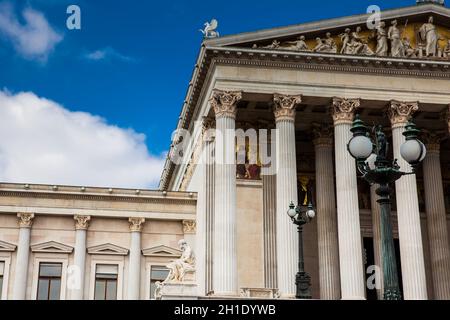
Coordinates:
[326,214]
[376,231]
[22,258]
[225,279]
[436,217]
[81,226]
[349,232]
[269,233]
[286,186]
[411,248]
[134,267]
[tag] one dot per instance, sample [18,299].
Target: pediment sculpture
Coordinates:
[388,39]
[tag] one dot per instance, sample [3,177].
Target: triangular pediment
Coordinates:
[162,251]
[8,247]
[410,19]
[51,247]
[108,249]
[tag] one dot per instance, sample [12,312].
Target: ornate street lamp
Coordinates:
[373,163]
[300,216]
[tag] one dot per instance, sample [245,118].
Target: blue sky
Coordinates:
[132,60]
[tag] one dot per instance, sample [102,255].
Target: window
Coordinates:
[106,282]
[49,283]
[2,272]
[157,274]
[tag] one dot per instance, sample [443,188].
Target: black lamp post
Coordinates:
[300,216]
[376,168]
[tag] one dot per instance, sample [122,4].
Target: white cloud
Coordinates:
[35,39]
[42,142]
[107,53]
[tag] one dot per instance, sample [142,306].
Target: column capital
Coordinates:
[81,222]
[225,103]
[399,112]
[323,134]
[136,224]
[284,106]
[208,126]
[343,109]
[189,226]
[432,140]
[25,220]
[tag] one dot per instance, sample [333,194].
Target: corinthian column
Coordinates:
[326,215]
[349,231]
[81,226]
[23,253]
[436,218]
[225,280]
[411,249]
[134,267]
[286,188]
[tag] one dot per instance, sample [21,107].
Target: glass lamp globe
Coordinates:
[413,151]
[360,147]
[292,212]
[311,213]
[371,161]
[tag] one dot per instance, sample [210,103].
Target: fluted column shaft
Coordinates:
[376,231]
[134,267]
[225,279]
[349,230]
[270,252]
[286,186]
[411,248]
[22,258]
[81,226]
[326,219]
[437,223]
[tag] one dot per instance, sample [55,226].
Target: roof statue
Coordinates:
[441,2]
[210,30]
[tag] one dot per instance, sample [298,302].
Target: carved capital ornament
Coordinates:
[225,103]
[343,110]
[136,224]
[401,112]
[25,220]
[323,135]
[432,140]
[189,226]
[82,222]
[284,106]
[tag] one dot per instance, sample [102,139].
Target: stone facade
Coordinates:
[235,221]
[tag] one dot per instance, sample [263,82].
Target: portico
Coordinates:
[310,99]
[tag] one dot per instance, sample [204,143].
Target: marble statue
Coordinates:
[428,33]
[447,50]
[382,41]
[359,44]
[394,34]
[180,267]
[210,30]
[298,45]
[345,38]
[410,52]
[330,43]
[326,45]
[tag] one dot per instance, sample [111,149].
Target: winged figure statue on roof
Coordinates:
[210,30]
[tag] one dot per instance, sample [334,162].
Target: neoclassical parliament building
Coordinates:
[302,84]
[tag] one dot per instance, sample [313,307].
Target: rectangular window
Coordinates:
[49,283]
[157,274]
[106,282]
[2,274]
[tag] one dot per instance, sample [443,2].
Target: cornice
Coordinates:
[48,195]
